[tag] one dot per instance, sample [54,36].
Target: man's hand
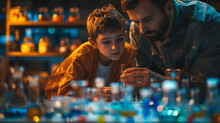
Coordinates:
[135,76]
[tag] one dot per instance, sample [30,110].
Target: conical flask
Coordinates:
[18,98]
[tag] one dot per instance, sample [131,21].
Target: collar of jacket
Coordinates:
[179,22]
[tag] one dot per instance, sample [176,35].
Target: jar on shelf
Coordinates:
[27,45]
[75,44]
[74,14]
[58,14]
[18,13]
[64,45]
[44,44]
[43,14]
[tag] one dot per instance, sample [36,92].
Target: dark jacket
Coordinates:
[194,45]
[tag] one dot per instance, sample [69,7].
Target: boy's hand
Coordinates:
[135,76]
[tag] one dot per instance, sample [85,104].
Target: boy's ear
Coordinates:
[92,42]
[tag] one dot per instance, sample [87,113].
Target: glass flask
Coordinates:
[18,100]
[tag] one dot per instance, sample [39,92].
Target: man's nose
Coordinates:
[142,27]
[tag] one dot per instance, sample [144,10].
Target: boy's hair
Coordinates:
[105,20]
[132,4]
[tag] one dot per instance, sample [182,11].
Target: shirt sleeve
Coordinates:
[141,47]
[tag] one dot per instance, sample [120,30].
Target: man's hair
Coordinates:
[105,20]
[132,4]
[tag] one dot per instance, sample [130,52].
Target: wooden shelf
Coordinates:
[48,24]
[36,54]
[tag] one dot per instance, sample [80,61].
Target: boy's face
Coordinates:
[110,46]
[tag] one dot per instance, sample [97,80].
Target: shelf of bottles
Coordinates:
[161,102]
[49,24]
[37,54]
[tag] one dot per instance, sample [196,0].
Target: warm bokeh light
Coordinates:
[36,119]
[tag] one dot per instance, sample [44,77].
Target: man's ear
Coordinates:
[169,7]
[92,43]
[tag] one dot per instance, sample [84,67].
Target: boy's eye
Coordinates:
[120,39]
[106,42]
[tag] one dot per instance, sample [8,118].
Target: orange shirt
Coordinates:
[82,64]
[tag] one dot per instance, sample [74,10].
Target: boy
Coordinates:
[101,56]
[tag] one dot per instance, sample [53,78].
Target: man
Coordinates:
[174,34]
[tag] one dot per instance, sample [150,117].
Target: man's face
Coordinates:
[111,46]
[151,21]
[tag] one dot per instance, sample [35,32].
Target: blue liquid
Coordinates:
[15,112]
[115,107]
[169,115]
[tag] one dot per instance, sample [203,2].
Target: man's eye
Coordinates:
[148,19]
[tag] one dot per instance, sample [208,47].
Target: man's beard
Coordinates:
[158,35]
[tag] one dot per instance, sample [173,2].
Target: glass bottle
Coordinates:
[79,106]
[100,104]
[196,110]
[175,74]
[127,106]
[58,14]
[43,14]
[115,106]
[212,100]
[156,96]
[27,45]
[74,14]
[99,107]
[168,110]
[64,45]
[34,110]
[44,44]
[18,100]
[148,113]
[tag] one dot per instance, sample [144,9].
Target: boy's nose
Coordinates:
[114,46]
